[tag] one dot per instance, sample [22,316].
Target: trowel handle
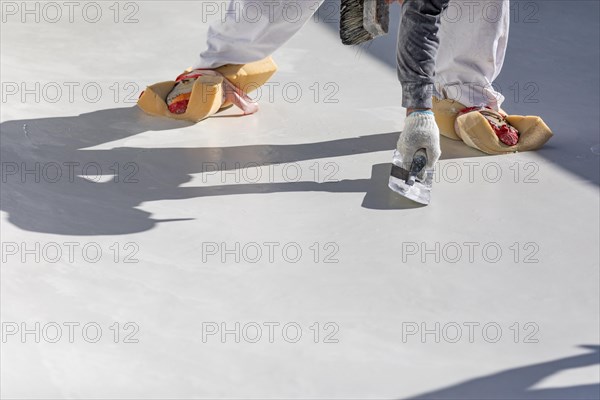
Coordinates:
[418,164]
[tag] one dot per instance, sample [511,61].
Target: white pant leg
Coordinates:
[253,29]
[473,40]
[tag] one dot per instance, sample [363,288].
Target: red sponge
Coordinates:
[505,132]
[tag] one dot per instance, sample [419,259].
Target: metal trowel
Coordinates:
[412,180]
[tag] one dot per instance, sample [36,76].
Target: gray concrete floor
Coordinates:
[179,244]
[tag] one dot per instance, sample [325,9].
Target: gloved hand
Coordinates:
[420,132]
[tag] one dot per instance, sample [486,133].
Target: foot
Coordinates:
[179,98]
[505,132]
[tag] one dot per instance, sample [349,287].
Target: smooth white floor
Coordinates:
[307,174]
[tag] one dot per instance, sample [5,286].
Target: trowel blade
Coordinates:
[418,192]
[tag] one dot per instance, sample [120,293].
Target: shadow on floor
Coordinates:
[516,383]
[42,201]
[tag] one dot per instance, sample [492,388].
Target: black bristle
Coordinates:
[358,27]
[352,29]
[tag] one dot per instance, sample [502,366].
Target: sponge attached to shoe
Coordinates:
[490,131]
[179,98]
[198,94]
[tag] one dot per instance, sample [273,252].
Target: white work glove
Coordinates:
[420,132]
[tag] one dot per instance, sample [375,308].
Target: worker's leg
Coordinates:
[473,39]
[253,30]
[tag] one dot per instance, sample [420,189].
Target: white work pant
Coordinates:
[473,40]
